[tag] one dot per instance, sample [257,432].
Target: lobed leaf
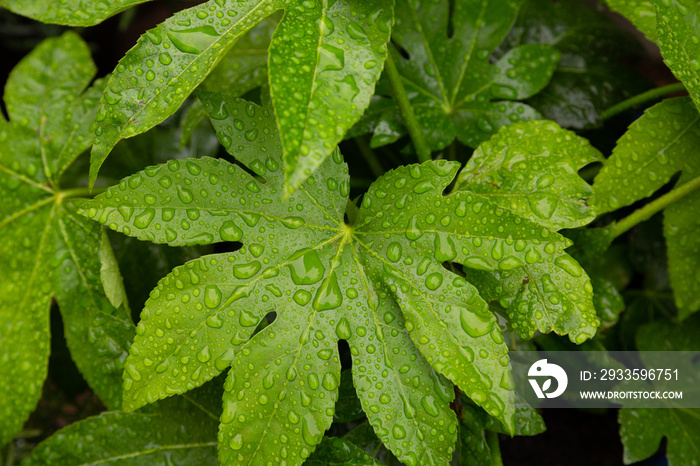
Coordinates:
[531,169]
[591,75]
[69,12]
[379,284]
[656,147]
[442,53]
[50,252]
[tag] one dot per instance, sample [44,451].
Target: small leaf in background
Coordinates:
[110,275]
[642,429]
[69,12]
[678,30]
[591,75]
[531,169]
[656,147]
[49,251]
[456,92]
[641,13]
[338,451]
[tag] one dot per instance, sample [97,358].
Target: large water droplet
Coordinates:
[328,295]
[212,296]
[474,324]
[307,269]
[193,40]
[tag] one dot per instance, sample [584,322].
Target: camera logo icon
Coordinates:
[542,368]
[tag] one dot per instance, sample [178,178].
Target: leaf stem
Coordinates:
[370,157]
[494,446]
[409,118]
[80,192]
[644,213]
[647,96]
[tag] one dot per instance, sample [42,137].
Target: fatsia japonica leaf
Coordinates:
[337,47]
[656,147]
[641,13]
[453,87]
[336,451]
[379,284]
[179,430]
[591,75]
[69,12]
[48,250]
[678,28]
[531,169]
[642,429]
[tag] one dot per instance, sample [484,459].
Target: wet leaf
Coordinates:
[642,429]
[69,12]
[678,29]
[48,250]
[379,284]
[332,451]
[656,147]
[641,13]
[591,75]
[331,87]
[456,92]
[180,430]
[530,169]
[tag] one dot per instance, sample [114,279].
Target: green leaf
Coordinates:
[180,430]
[325,89]
[530,169]
[591,75]
[49,251]
[241,70]
[678,27]
[336,80]
[110,275]
[69,12]
[607,301]
[364,437]
[443,57]
[332,451]
[348,407]
[640,12]
[379,284]
[656,147]
[642,429]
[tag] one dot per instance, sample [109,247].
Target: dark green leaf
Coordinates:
[69,12]
[453,87]
[348,407]
[642,429]
[49,251]
[335,451]
[656,147]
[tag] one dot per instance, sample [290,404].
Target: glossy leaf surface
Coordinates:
[171,60]
[641,430]
[641,13]
[591,75]
[443,58]
[520,170]
[378,284]
[49,251]
[678,25]
[69,12]
[332,451]
[656,147]
[180,430]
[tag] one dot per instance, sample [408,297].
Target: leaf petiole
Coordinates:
[644,97]
[80,192]
[646,212]
[409,118]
